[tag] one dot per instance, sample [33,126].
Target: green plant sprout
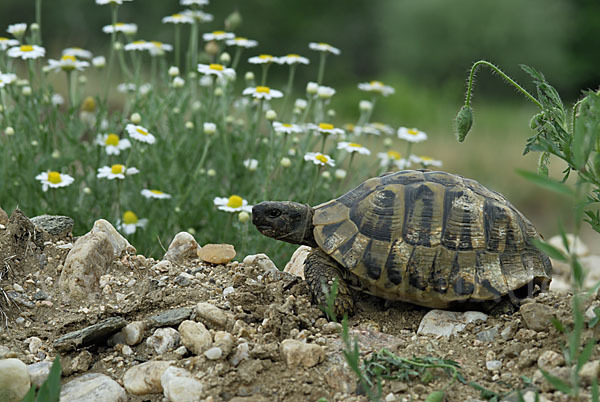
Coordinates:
[573,137]
[50,389]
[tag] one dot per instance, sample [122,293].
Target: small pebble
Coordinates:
[493,365]
[228,290]
[214,353]
[18,287]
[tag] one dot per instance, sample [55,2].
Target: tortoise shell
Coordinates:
[431,238]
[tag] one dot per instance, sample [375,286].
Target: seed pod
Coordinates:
[464,121]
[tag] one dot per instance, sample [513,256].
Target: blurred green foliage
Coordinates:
[430,41]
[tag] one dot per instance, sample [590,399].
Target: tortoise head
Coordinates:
[285,220]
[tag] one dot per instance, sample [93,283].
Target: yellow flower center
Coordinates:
[378,83]
[394,155]
[412,131]
[293,55]
[141,131]
[67,57]
[241,39]
[177,15]
[354,145]
[265,56]
[54,177]
[156,43]
[218,32]
[324,44]
[288,125]
[120,24]
[116,169]
[3,39]
[89,104]
[217,67]
[112,139]
[235,201]
[325,126]
[139,42]
[264,90]
[321,158]
[26,48]
[130,218]
[156,192]
[426,158]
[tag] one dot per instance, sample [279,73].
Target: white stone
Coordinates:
[145,378]
[91,388]
[261,260]
[89,259]
[17,287]
[295,265]
[14,380]
[532,396]
[227,291]
[133,333]
[493,365]
[550,359]
[118,242]
[34,344]
[223,340]
[214,353]
[162,266]
[38,372]
[212,316]
[590,371]
[297,353]
[241,353]
[574,242]
[183,247]
[194,336]
[179,386]
[163,340]
[446,323]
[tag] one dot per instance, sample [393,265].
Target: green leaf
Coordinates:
[546,182]
[50,389]
[30,395]
[595,397]
[549,250]
[557,383]
[559,327]
[585,354]
[435,396]
[578,273]
[594,321]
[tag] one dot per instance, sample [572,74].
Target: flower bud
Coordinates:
[218,92]
[9,131]
[34,27]
[176,110]
[173,71]
[191,231]
[136,118]
[243,217]
[211,172]
[225,58]
[387,142]
[365,106]
[249,76]
[210,128]
[312,88]
[331,113]
[271,115]
[56,154]
[87,190]
[464,121]
[196,106]
[34,143]
[189,125]
[326,175]
[26,90]
[89,105]
[178,82]
[82,79]
[99,62]
[211,48]
[285,162]
[118,46]
[233,21]
[300,104]
[340,174]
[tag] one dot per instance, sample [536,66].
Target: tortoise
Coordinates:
[429,238]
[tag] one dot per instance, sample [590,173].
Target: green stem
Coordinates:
[178,44]
[194,47]
[38,21]
[314,184]
[503,75]
[265,68]
[321,67]
[236,57]
[288,88]
[408,150]
[111,52]
[70,88]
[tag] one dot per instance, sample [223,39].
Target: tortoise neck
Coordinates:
[308,237]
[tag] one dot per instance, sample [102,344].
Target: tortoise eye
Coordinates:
[274,213]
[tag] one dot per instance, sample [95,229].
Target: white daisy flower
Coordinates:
[194,2]
[262,59]
[178,82]
[251,164]
[389,157]
[353,147]
[218,70]
[17,30]
[116,172]
[300,104]
[292,59]
[287,128]
[384,128]
[319,159]
[411,134]
[126,28]
[377,87]
[66,63]
[261,92]
[102,2]
[325,92]
[209,128]
[112,143]
[140,133]
[402,164]
[130,223]
[326,128]
[138,45]
[126,87]
[7,79]
[323,47]
[5,43]
[425,161]
[77,52]
[26,52]
[198,15]
[158,48]
[57,99]
[99,61]
[178,19]
[218,35]
[234,203]
[242,42]
[155,194]
[52,179]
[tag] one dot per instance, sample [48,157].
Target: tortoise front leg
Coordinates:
[320,271]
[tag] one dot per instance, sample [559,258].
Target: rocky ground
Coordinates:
[204,324]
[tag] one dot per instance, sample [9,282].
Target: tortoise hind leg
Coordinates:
[320,272]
